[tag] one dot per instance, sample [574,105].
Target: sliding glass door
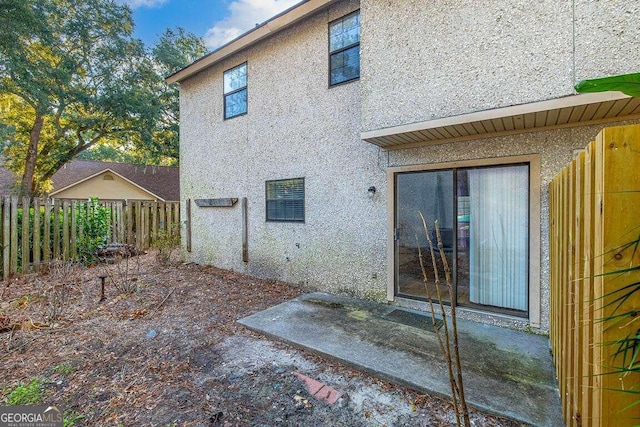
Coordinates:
[485,242]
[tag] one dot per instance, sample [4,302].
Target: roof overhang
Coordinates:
[267,29]
[102,172]
[569,111]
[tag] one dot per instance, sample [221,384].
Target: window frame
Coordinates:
[267,199]
[243,88]
[342,49]
[535,230]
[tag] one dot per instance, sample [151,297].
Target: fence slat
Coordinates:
[154,221]
[176,217]
[74,230]
[36,234]
[26,249]
[56,229]
[6,238]
[14,234]
[576,284]
[46,236]
[65,230]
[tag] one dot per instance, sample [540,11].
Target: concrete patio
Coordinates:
[506,372]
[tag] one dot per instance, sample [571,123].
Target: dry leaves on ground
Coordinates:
[171,353]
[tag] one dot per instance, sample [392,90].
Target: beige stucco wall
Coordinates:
[98,187]
[448,58]
[295,127]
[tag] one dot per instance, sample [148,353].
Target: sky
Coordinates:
[216,21]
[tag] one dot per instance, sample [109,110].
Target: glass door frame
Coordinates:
[533,160]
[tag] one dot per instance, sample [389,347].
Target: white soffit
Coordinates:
[575,110]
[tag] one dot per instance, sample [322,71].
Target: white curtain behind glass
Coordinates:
[498,239]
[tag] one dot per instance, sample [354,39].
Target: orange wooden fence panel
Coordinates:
[594,230]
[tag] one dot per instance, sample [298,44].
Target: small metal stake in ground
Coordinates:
[102,278]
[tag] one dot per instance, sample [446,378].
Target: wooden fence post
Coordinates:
[56,229]
[73,249]
[65,230]
[26,247]
[46,238]
[36,234]
[6,238]
[14,234]
[187,226]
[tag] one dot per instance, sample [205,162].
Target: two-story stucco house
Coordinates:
[336,122]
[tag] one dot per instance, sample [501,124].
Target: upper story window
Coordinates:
[235,91]
[344,49]
[285,200]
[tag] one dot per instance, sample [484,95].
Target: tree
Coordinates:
[175,50]
[79,77]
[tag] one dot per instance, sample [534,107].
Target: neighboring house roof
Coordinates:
[267,29]
[161,181]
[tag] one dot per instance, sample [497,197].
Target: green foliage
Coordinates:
[71,418]
[175,50]
[166,242]
[629,84]
[94,221]
[115,154]
[27,394]
[72,77]
[63,369]
[80,79]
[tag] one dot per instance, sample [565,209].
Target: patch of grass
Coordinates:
[27,394]
[63,369]
[71,417]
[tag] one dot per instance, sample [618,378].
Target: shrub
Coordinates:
[26,394]
[93,222]
[166,242]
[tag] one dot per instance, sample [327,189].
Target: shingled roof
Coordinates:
[163,181]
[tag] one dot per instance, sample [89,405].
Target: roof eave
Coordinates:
[568,111]
[103,171]
[276,24]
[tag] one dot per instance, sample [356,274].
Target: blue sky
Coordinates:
[217,21]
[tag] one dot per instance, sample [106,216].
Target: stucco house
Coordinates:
[334,123]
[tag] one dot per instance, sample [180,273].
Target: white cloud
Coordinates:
[244,15]
[134,4]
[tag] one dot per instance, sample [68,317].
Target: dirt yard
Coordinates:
[170,353]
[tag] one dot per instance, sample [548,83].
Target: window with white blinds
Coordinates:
[285,200]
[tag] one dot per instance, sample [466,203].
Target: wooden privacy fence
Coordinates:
[28,241]
[595,291]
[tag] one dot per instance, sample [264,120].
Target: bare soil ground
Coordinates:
[170,353]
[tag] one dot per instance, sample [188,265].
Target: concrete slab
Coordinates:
[506,372]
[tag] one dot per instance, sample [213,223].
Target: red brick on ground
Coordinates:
[319,390]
